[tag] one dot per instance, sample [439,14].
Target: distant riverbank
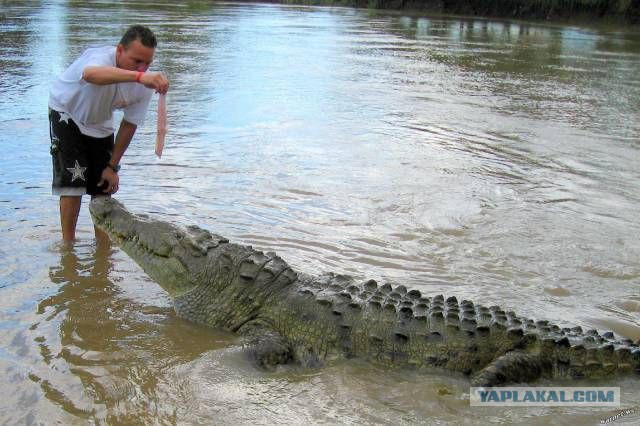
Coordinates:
[556,10]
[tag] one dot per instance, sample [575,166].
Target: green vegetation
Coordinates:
[626,10]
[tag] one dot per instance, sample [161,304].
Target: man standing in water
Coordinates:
[85,154]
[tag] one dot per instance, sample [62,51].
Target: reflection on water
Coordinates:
[492,161]
[115,352]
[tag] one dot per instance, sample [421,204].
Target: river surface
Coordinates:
[494,161]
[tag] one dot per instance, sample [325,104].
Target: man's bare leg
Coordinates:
[69,211]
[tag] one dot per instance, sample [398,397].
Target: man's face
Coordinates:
[135,57]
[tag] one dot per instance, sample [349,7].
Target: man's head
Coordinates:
[136,49]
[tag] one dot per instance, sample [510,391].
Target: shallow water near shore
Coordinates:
[491,161]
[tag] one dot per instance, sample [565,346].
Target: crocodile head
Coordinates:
[211,280]
[171,255]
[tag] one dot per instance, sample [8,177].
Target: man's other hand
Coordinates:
[110,180]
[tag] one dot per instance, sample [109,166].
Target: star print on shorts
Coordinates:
[64,117]
[77,172]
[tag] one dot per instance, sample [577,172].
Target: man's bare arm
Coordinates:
[112,75]
[123,138]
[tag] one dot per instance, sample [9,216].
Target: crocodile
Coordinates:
[289,317]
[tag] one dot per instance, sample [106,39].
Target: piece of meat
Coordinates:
[162,124]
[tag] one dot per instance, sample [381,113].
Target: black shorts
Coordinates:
[78,159]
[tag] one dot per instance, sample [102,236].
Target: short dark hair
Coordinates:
[139,32]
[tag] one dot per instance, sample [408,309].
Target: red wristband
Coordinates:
[139,76]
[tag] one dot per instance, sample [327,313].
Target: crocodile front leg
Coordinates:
[269,350]
[266,348]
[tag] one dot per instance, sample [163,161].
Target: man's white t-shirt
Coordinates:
[90,105]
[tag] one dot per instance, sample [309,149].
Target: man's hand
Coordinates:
[111,179]
[155,80]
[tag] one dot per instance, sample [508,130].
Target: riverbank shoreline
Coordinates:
[567,11]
